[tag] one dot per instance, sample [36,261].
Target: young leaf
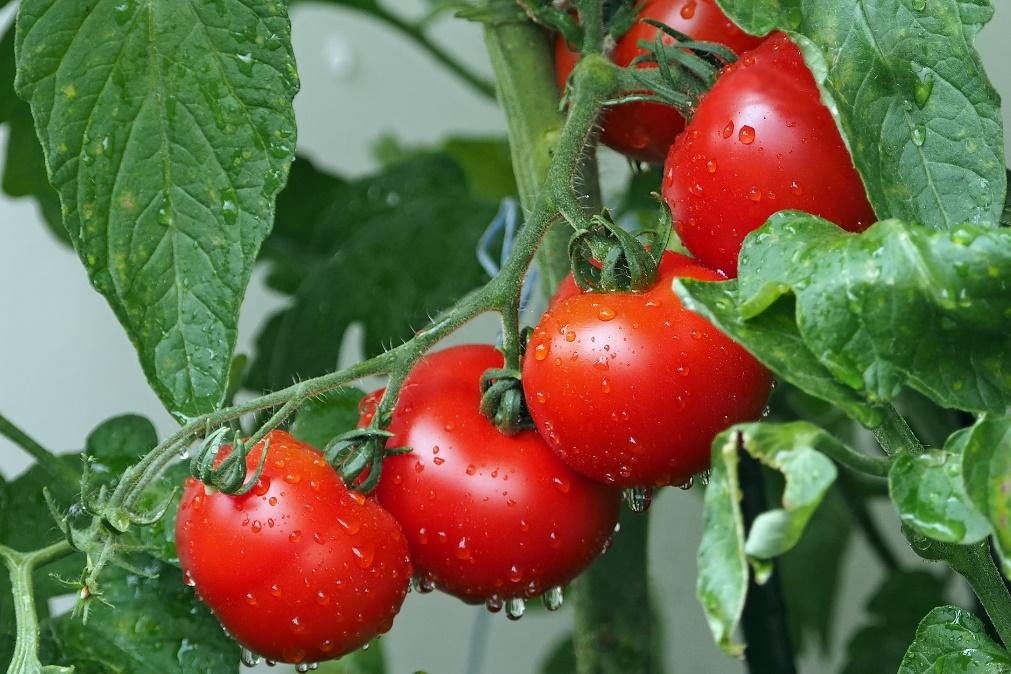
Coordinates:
[895,610]
[950,639]
[724,553]
[986,471]
[908,90]
[320,420]
[154,625]
[894,306]
[930,497]
[391,249]
[167,129]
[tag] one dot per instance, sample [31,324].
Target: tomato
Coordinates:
[488,517]
[760,142]
[299,569]
[642,130]
[631,388]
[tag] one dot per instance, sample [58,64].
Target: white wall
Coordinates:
[65,365]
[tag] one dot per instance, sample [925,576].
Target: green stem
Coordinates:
[976,564]
[20,567]
[851,458]
[895,435]
[49,461]
[418,36]
[616,626]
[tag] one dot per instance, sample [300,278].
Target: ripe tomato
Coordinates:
[645,131]
[299,569]
[760,142]
[487,516]
[631,388]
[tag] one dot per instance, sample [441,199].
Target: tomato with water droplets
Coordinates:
[631,388]
[645,130]
[487,516]
[299,569]
[760,142]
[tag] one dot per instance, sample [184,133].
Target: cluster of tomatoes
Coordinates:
[627,390]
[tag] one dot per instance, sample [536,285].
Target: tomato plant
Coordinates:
[646,130]
[631,388]
[488,517]
[300,568]
[840,186]
[760,142]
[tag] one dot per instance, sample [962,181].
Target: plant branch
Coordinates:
[840,452]
[976,564]
[20,566]
[45,458]
[417,35]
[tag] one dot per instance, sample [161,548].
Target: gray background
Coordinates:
[65,365]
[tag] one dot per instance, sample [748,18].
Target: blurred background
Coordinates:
[66,365]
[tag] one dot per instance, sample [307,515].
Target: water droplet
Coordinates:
[275,590]
[471,469]
[923,87]
[712,166]
[562,484]
[188,579]
[638,499]
[493,603]
[570,336]
[292,478]
[687,484]
[796,188]
[365,555]
[606,313]
[541,351]
[438,461]
[918,5]
[463,551]
[249,658]
[755,194]
[297,627]
[515,608]
[418,467]
[919,135]
[553,598]
[423,585]
[322,598]
[688,9]
[262,486]
[256,526]
[728,130]
[295,536]
[746,135]
[515,574]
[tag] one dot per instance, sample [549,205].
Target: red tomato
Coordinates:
[631,388]
[299,569]
[487,516]
[645,131]
[760,142]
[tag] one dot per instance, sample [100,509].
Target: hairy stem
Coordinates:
[976,564]
[45,458]
[20,567]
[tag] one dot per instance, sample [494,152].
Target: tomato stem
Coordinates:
[56,469]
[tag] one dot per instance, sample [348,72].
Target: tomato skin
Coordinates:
[760,142]
[300,569]
[631,388]
[486,515]
[641,130]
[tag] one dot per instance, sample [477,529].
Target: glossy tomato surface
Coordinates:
[300,569]
[631,388]
[487,516]
[645,131]
[760,142]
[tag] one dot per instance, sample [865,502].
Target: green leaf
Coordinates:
[953,641]
[168,130]
[895,609]
[909,92]
[986,471]
[724,553]
[371,660]
[320,420]
[119,442]
[772,337]
[393,249]
[894,306]
[154,625]
[930,497]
